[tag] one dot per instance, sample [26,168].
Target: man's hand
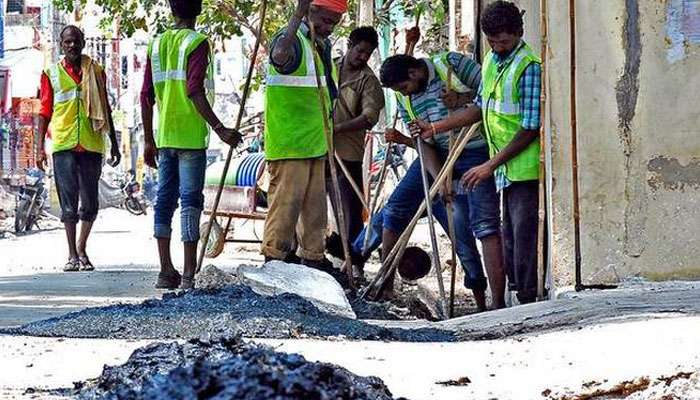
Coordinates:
[391,135]
[412,35]
[450,98]
[41,160]
[115,156]
[476,175]
[150,155]
[421,128]
[229,136]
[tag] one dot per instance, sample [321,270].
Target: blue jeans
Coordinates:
[476,214]
[180,175]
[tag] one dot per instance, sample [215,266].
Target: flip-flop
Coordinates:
[72,265]
[168,281]
[85,264]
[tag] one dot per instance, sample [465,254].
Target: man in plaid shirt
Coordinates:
[508,103]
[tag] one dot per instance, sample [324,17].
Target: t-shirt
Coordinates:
[428,104]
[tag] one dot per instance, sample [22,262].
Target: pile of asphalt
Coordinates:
[225,369]
[231,311]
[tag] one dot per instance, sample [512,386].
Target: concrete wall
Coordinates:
[638,119]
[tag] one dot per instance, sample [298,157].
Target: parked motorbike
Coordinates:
[29,202]
[134,200]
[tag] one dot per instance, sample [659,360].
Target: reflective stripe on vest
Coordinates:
[70,124]
[502,113]
[294,120]
[441,66]
[180,125]
[60,95]
[179,74]
[307,80]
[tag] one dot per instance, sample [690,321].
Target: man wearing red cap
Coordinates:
[295,142]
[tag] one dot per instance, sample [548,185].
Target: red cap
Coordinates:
[339,6]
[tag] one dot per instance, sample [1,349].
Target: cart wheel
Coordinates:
[217,239]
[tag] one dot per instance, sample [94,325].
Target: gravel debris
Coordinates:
[233,310]
[225,369]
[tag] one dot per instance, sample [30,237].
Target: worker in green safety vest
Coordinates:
[430,89]
[179,81]
[74,106]
[509,106]
[295,142]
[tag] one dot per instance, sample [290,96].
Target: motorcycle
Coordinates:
[134,200]
[29,202]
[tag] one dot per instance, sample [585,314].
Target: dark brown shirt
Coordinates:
[360,95]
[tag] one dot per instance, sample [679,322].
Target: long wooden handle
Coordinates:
[239,119]
[331,162]
[391,261]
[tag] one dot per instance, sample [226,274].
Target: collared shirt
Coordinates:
[295,60]
[529,88]
[359,95]
[428,104]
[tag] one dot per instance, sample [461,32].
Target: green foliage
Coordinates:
[220,19]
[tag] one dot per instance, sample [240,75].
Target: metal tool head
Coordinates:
[414,264]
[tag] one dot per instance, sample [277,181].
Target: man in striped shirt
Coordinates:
[477,212]
[509,105]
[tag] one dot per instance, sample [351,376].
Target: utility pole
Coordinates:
[365,12]
[452,24]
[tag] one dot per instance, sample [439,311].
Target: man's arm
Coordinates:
[283,50]
[45,114]
[115,153]
[458,119]
[148,99]
[196,74]
[372,102]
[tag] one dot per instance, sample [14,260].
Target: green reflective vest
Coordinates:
[502,114]
[293,116]
[70,125]
[180,125]
[442,67]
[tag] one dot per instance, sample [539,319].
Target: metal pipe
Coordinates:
[431,224]
[574,145]
[542,206]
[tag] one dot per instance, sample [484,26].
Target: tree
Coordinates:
[220,19]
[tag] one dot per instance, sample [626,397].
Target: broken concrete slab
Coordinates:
[277,277]
[631,301]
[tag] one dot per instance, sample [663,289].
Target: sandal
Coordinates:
[187,283]
[168,281]
[72,265]
[85,264]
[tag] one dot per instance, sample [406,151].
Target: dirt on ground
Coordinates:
[679,386]
[230,311]
[224,369]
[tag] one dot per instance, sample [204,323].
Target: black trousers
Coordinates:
[520,219]
[77,174]
[352,206]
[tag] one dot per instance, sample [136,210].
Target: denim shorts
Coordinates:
[77,175]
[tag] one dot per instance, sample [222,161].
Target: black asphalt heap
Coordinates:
[225,369]
[226,312]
